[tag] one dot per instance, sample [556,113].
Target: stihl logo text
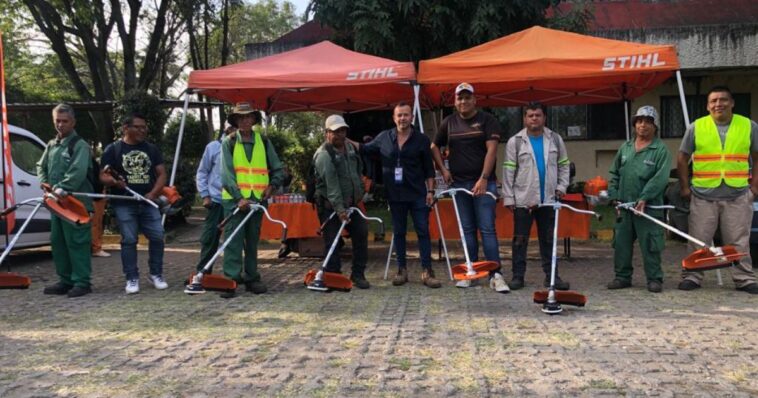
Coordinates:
[632,62]
[376,73]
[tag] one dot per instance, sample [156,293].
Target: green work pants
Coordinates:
[71,251]
[211,234]
[247,239]
[650,236]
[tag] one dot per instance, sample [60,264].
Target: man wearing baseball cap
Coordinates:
[338,166]
[471,137]
[639,173]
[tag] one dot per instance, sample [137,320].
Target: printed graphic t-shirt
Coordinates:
[466,141]
[136,163]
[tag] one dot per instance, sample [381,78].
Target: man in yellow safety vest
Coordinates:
[720,145]
[250,170]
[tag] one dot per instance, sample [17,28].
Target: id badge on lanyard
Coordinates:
[398,168]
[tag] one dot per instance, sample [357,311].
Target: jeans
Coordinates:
[420,214]
[478,213]
[522,225]
[139,217]
[358,229]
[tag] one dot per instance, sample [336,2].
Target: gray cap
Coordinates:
[335,122]
[647,111]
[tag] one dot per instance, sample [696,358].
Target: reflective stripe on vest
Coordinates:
[711,163]
[252,176]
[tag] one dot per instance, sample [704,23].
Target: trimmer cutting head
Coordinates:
[706,259]
[481,270]
[568,297]
[329,281]
[209,282]
[10,280]
[68,208]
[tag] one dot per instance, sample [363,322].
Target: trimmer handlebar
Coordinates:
[255,207]
[453,191]
[572,208]
[349,212]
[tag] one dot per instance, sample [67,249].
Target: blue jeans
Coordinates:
[478,213]
[138,217]
[420,214]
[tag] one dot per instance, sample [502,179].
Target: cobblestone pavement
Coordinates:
[386,341]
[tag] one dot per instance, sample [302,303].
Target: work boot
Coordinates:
[284,251]
[79,291]
[560,284]
[401,278]
[619,284]
[58,289]
[517,283]
[256,287]
[359,280]
[751,288]
[227,294]
[654,286]
[688,285]
[428,279]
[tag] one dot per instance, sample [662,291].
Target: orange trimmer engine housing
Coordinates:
[171,194]
[596,191]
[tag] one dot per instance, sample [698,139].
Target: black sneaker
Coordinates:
[751,288]
[619,284]
[58,289]
[688,285]
[654,286]
[79,291]
[360,281]
[559,283]
[256,287]
[284,251]
[516,283]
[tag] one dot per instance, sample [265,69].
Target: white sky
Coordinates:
[299,5]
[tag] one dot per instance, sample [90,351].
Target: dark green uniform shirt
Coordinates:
[640,175]
[67,171]
[339,181]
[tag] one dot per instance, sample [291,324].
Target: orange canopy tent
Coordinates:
[550,66]
[320,77]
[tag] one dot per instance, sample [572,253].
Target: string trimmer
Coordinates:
[552,299]
[703,259]
[323,281]
[204,279]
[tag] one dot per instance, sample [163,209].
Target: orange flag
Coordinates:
[7,166]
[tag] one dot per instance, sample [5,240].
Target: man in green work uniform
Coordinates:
[639,174]
[250,170]
[64,166]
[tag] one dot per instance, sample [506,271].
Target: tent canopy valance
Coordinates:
[550,66]
[320,77]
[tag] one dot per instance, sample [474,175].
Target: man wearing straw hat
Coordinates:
[639,173]
[720,145]
[64,166]
[250,171]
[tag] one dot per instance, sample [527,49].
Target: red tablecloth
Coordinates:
[301,220]
[570,224]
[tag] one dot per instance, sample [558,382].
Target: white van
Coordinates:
[26,150]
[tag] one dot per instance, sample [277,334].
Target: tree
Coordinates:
[79,32]
[412,30]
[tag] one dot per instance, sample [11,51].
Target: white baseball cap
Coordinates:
[335,122]
[464,87]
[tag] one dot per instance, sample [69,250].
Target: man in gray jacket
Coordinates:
[535,171]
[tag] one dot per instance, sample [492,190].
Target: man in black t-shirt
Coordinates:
[141,165]
[471,138]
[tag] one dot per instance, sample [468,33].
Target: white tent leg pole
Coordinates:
[681,97]
[442,239]
[626,120]
[389,256]
[417,107]
[178,145]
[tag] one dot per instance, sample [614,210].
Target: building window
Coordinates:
[595,122]
[511,120]
[672,121]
